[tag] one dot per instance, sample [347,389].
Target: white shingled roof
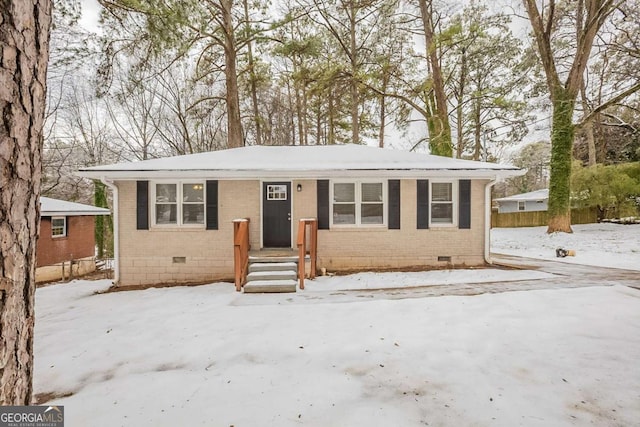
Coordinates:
[533,195]
[55,207]
[315,161]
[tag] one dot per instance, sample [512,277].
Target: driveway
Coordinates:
[589,275]
[565,275]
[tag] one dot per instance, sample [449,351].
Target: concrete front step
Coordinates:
[272,275]
[270,286]
[272,266]
[272,259]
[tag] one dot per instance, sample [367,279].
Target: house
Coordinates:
[525,202]
[66,239]
[375,208]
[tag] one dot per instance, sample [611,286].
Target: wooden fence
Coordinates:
[538,218]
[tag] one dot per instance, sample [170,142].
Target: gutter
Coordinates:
[116,231]
[487,219]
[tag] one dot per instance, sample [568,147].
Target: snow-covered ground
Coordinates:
[203,356]
[605,245]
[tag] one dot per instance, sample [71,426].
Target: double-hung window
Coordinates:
[58,226]
[179,203]
[358,203]
[521,206]
[443,196]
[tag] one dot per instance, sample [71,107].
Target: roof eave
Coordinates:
[73,213]
[126,175]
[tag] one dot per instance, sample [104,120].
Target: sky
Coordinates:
[90,14]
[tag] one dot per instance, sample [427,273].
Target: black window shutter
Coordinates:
[464,213]
[423,203]
[142,205]
[323,204]
[212,205]
[394,204]
[66,226]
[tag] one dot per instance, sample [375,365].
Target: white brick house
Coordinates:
[376,208]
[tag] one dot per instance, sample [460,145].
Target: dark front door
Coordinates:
[276,214]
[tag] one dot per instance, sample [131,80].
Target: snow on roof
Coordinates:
[533,195]
[299,161]
[53,207]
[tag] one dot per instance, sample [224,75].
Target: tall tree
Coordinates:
[205,29]
[438,120]
[605,134]
[484,63]
[353,26]
[24,46]
[564,86]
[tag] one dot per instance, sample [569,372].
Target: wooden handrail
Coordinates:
[302,247]
[241,248]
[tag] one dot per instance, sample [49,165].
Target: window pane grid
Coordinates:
[189,211]
[58,226]
[276,192]
[357,203]
[442,203]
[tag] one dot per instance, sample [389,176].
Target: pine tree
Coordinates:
[24,43]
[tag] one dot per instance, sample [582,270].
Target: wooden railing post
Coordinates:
[240,251]
[302,244]
[313,252]
[302,248]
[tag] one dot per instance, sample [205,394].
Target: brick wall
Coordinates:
[345,249]
[147,256]
[78,243]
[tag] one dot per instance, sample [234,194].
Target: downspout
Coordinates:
[487,219]
[116,233]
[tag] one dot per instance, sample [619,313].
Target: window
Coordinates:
[358,203]
[276,192]
[442,203]
[520,206]
[59,226]
[344,203]
[179,203]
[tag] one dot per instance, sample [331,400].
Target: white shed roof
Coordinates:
[533,195]
[314,161]
[55,207]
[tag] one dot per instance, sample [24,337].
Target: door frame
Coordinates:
[291,191]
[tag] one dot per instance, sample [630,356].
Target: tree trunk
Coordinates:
[440,140]
[305,123]
[252,76]
[460,100]
[562,132]
[591,142]
[477,131]
[383,108]
[355,93]
[24,51]
[296,88]
[382,122]
[100,200]
[234,123]
[332,135]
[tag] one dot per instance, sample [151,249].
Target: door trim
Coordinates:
[291,192]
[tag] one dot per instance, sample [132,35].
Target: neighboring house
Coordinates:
[66,238]
[525,202]
[376,208]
